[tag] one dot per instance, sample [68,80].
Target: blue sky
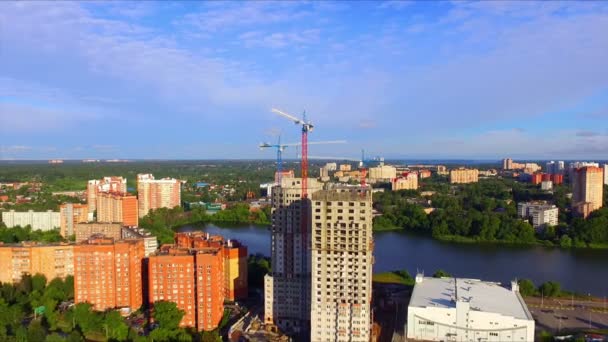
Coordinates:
[401,79]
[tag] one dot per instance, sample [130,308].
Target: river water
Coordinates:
[580,270]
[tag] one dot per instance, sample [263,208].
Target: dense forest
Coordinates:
[487,211]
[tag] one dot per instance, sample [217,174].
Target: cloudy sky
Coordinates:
[195,80]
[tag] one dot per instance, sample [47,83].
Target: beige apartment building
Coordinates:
[287,287]
[345,167]
[157,193]
[113,184]
[587,189]
[38,220]
[442,170]
[382,172]
[341,274]
[117,207]
[51,260]
[408,181]
[84,231]
[462,176]
[70,214]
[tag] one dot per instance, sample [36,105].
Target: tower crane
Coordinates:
[281,147]
[307,126]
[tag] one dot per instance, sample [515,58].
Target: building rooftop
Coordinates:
[482,296]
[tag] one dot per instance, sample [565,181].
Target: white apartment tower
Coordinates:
[287,288]
[341,274]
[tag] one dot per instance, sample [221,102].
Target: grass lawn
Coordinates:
[392,278]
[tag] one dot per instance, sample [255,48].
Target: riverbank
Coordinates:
[469,240]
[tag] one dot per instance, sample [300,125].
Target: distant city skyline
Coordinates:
[407,80]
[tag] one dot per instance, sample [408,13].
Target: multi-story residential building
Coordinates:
[287,287]
[382,172]
[38,220]
[150,241]
[235,270]
[442,170]
[113,184]
[83,231]
[108,273]
[407,181]
[117,207]
[70,214]
[605,174]
[235,260]
[323,173]
[555,168]
[157,193]
[345,167]
[587,189]
[509,164]
[424,173]
[331,166]
[540,214]
[536,178]
[51,260]
[193,279]
[283,174]
[341,275]
[462,175]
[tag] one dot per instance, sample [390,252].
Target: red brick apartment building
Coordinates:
[107,273]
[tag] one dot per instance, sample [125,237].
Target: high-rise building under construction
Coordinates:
[341,271]
[287,288]
[320,285]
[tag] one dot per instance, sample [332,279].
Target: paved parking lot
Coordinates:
[579,318]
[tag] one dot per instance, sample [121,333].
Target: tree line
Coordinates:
[163,222]
[487,211]
[18,234]
[34,310]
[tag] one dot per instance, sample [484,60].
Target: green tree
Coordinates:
[115,326]
[82,315]
[54,337]
[35,331]
[526,287]
[550,289]
[565,241]
[441,274]
[38,282]
[75,336]
[167,315]
[210,336]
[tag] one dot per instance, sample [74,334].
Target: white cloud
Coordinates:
[226,15]
[395,4]
[478,69]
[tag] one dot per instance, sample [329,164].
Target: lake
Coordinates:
[580,270]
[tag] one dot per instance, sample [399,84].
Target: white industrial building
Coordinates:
[38,220]
[452,309]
